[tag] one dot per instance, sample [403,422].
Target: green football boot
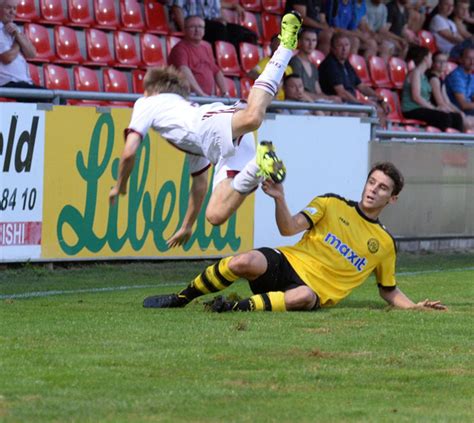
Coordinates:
[269,163]
[290,26]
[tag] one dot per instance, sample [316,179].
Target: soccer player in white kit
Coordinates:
[211,134]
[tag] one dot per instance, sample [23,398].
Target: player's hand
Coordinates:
[435,305]
[180,237]
[113,195]
[272,189]
[11,28]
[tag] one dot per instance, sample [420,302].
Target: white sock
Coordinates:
[247,180]
[270,78]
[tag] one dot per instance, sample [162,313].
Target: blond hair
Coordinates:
[165,80]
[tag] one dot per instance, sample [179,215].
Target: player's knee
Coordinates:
[242,264]
[308,299]
[215,218]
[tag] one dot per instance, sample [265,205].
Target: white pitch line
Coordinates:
[37,294]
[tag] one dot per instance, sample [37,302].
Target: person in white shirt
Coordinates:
[15,48]
[444,29]
[210,134]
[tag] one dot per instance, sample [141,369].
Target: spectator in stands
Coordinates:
[460,18]
[338,77]
[306,70]
[416,94]
[15,48]
[416,14]
[389,44]
[460,83]
[257,70]
[194,57]
[294,91]
[313,17]
[216,26]
[398,15]
[444,29]
[439,95]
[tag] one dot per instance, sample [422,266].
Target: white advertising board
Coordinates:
[322,155]
[21,180]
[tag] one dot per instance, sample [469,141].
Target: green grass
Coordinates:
[101,357]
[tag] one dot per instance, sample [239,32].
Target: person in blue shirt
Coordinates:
[460,83]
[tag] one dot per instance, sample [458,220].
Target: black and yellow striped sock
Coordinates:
[270,301]
[215,278]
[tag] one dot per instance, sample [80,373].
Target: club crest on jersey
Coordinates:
[345,251]
[373,245]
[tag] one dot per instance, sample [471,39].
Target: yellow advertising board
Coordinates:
[82,150]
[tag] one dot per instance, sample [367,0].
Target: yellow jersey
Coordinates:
[341,249]
[261,66]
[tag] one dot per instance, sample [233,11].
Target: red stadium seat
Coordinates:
[155,18]
[274,6]
[67,46]
[152,51]
[98,49]
[230,16]
[251,5]
[126,53]
[398,70]
[137,81]
[270,25]
[249,21]
[86,79]
[245,87]
[379,73]
[249,56]
[427,39]
[80,13]
[131,16]
[360,66]
[52,12]
[26,11]
[316,57]
[395,115]
[226,58]
[105,15]
[39,36]
[34,74]
[56,77]
[171,41]
[230,88]
[115,81]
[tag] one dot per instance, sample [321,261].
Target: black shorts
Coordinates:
[279,276]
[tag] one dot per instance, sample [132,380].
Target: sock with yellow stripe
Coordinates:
[270,301]
[214,278]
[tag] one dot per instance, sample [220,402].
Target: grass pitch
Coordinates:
[95,355]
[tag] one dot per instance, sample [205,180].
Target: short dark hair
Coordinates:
[336,37]
[392,172]
[417,54]
[290,76]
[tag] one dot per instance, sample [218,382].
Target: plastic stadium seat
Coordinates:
[230,16]
[245,86]
[379,73]
[171,41]
[126,53]
[398,70]
[116,81]
[131,16]
[230,88]
[395,115]
[26,11]
[155,18]
[450,67]
[52,12]
[251,5]
[270,25]
[249,21]
[98,49]
[427,39]
[34,74]
[39,36]
[56,77]
[86,79]
[360,66]
[152,51]
[105,15]
[226,58]
[249,56]
[274,6]
[316,57]
[137,81]
[67,46]
[79,13]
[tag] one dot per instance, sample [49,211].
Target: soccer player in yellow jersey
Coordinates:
[343,244]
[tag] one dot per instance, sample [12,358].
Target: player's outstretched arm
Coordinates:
[127,160]
[398,299]
[196,198]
